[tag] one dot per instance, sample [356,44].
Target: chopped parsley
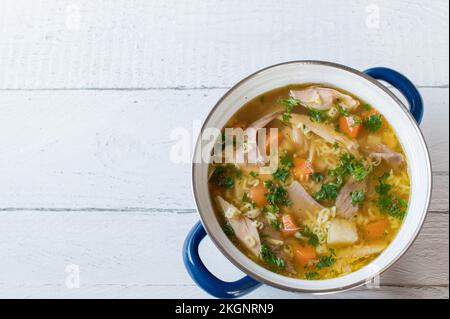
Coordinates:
[276,194]
[310,275]
[350,166]
[313,239]
[358,171]
[281,173]
[223,176]
[289,105]
[228,230]
[317,177]
[269,257]
[247,199]
[275,223]
[254,174]
[329,191]
[357,197]
[373,122]
[356,121]
[325,261]
[271,209]
[342,111]
[367,107]
[317,116]
[335,146]
[286,160]
[387,203]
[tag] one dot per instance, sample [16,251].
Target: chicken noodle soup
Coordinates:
[337,196]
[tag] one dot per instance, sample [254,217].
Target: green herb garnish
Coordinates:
[317,177]
[281,173]
[254,174]
[317,116]
[275,223]
[224,176]
[310,275]
[325,261]
[228,230]
[357,197]
[286,160]
[342,111]
[313,239]
[276,194]
[350,166]
[329,191]
[289,104]
[269,257]
[373,122]
[392,205]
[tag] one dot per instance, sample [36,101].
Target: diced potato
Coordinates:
[341,233]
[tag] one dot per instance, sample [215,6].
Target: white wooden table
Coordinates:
[90,92]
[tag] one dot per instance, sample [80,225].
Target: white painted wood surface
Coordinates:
[90,92]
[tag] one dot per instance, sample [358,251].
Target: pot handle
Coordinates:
[206,280]
[404,85]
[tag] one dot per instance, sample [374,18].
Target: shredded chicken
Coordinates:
[363,251]
[301,200]
[344,206]
[272,238]
[263,121]
[324,98]
[325,131]
[381,151]
[243,227]
[256,151]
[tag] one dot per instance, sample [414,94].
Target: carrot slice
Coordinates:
[303,254]
[350,125]
[376,230]
[302,168]
[258,194]
[290,227]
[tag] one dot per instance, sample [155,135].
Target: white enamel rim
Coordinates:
[373,92]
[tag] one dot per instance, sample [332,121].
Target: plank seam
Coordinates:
[194,285]
[143,210]
[175,88]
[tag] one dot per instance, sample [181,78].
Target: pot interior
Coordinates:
[366,88]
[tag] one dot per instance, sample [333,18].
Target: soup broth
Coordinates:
[338,194]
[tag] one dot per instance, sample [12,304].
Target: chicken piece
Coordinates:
[263,121]
[243,227]
[299,138]
[344,206]
[276,243]
[324,98]
[359,252]
[301,200]
[255,151]
[342,233]
[325,131]
[380,150]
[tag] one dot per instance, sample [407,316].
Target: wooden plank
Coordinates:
[138,254]
[192,292]
[148,44]
[111,149]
